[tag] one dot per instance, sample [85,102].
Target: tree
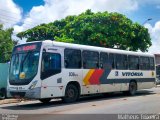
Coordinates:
[6,44]
[111,30]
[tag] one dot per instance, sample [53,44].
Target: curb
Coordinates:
[8,101]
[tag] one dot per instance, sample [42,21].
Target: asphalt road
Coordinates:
[145,102]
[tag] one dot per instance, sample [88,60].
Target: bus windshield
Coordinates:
[23,67]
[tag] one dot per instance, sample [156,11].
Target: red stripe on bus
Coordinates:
[94,79]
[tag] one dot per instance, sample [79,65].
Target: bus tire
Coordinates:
[3,94]
[132,88]
[45,100]
[71,93]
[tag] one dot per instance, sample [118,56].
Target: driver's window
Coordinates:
[51,64]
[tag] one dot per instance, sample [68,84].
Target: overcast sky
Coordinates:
[25,14]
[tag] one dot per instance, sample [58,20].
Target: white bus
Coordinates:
[49,69]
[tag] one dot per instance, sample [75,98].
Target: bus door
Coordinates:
[51,72]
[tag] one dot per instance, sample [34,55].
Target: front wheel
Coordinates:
[45,100]
[71,94]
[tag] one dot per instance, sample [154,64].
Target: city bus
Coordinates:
[47,69]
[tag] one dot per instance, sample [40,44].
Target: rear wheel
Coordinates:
[71,93]
[132,88]
[45,100]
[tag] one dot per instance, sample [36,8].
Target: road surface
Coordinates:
[146,101]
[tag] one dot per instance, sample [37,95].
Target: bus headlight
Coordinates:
[33,84]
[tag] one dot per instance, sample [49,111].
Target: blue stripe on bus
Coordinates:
[110,81]
[104,80]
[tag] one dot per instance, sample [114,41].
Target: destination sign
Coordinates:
[27,47]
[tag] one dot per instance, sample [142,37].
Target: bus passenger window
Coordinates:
[72,58]
[144,63]
[133,62]
[152,66]
[90,60]
[111,61]
[51,64]
[104,60]
[121,62]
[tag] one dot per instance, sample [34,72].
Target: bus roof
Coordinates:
[93,48]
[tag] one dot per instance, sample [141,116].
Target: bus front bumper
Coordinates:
[29,94]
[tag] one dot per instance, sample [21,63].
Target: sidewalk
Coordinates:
[7,101]
[12,100]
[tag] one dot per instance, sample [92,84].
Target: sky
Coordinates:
[25,14]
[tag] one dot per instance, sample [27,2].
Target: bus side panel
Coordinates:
[108,88]
[72,75]
[90,89]
[51,92]
[51,86]
[90,82]
[95,81]
[145,85]
[55,85]
[115,80]
[124,86]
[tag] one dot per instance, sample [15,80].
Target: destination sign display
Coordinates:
[27,47]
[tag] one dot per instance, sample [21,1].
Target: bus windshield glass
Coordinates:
[24,64]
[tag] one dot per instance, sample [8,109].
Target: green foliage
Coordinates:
[6,44]
[111,30]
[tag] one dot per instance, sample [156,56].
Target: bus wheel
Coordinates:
[71,94]
[45,100]
[3,94]
[132,88]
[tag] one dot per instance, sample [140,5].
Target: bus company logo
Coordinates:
[132,74]
[116,73]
